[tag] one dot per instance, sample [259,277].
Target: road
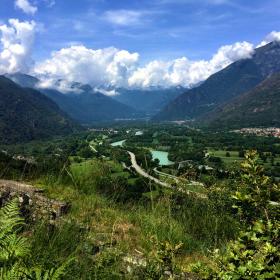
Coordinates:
[143,173]
[177,179]
[166,175]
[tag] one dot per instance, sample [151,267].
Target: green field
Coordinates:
[92,166]
[234,157]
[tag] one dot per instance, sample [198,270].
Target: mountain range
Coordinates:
[82,103]
[88,105]
[222,87]
[244,94]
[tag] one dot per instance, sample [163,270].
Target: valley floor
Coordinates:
[127,219]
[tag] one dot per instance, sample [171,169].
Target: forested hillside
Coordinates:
[26,114]
[259,107]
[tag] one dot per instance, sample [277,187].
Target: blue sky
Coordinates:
[157,29]
[161,30]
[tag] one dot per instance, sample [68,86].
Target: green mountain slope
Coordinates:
[258,107]
[237,78]
[26,114]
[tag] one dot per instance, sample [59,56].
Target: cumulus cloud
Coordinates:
[26,6]
[16,45]
[185,72]
[111,67]
[102,67]
[272,36]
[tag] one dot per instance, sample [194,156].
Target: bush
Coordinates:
[256,252]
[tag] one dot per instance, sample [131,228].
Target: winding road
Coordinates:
[143,173]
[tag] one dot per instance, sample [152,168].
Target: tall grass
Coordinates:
[100,230]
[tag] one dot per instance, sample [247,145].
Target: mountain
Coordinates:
[26,114]
[89,106]
[150,101]
[82,103]
[221,87]
[258,107]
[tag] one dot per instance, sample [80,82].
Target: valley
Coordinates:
[139,140]
[143,197]
[122,189]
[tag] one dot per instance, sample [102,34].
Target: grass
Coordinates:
[87,167]
[234,157]
[195,188]
[108,219]
[99,230]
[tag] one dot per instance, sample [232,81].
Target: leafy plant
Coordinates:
[254,255]
[13,246]
[15,249]
[159,263]
[256,252]
[254,194]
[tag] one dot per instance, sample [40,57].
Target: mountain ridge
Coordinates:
[257,108]
[221,87]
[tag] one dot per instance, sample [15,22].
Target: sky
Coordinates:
[132,43]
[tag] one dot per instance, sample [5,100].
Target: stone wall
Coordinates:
[34,205]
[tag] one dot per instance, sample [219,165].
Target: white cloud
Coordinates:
[16,40]
[26,6]
[102,67]
[111,67]
[272,36]
[108,92]
[123,17]
[185,72]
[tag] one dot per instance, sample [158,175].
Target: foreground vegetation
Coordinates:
[122,226]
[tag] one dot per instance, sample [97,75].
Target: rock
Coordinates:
[33,204]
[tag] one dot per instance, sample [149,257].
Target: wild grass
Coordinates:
[100,230]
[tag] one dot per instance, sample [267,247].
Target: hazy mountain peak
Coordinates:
[23,80]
